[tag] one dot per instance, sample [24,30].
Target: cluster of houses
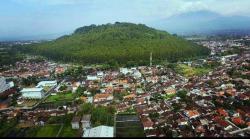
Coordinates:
[214,105]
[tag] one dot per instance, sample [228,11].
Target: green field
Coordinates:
[188,71]
[48,131]
[52,129]
[61,97]
[45,131]
[67,131]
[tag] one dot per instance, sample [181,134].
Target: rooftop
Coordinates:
[100,131]
[31,89]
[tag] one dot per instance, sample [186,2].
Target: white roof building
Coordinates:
[46,83]
[99,131]
[137,74]
[92,78]
[32,93]
[125,70]
[100,74]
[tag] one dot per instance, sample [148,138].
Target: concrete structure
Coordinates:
[86,121]
[99,131]
[33,93]
[46,84]
[75,123]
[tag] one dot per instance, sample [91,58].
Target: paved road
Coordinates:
[240,130]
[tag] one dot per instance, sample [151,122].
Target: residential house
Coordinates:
[147,123]
[104,97]
[192,113]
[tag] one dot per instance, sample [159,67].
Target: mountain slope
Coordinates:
[125,43]
[202,22]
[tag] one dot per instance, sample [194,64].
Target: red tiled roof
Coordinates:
[237,121]
[222,112]
[221,122]
[147,122]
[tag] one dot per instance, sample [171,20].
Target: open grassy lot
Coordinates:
[52,129]
[67,131]
[67,96]
[188,71]
[48,131]
[45,131]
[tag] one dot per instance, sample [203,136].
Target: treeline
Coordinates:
[116,44]
[9,55]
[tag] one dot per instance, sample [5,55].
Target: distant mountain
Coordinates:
[203,22]
[124,43]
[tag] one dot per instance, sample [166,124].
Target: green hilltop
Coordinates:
[120,43]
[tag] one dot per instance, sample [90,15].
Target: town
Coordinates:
[207,97]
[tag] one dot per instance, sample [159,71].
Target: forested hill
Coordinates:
[125,43]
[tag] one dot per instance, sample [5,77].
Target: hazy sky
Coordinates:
[40,18]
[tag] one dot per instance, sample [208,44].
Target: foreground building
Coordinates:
[99,131]
[32,93]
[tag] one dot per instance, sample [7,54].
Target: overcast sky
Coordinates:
[34,18]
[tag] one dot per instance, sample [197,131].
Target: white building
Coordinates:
[92,78]
[5,86]
[125,70]
[100,74]
[99,131]
[75,123]
[33,93]
[86,121]
[137,74]
[46,84]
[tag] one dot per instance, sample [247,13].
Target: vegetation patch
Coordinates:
[170,96]
[188,71]
[118,44]
[100,115]
[65,96]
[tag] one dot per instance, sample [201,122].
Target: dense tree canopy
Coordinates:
[119,43]
[9,55]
